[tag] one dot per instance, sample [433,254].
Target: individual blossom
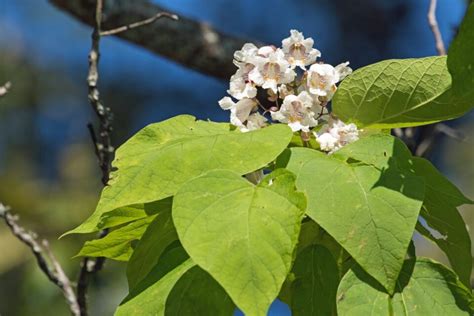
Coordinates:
[335,135]
[322,78]
[240,86]
[299,51]
[245,55]
[254,121]
[272,70]
[239,111]
[299,112]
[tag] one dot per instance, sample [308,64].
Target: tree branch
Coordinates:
[421,140]
[43,255]
[192,44]
[103,150]
[433,23]
[139,24]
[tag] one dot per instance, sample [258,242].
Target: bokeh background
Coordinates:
[48,171]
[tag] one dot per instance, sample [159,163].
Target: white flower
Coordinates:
[254,121]
[322,78]
[284,91]
[240,86]
[272,70]
[240,111]
[245,55]
[265,51]
[335,135]
[298,112]
[299,51]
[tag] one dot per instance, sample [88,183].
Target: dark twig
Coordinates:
[132,26]
[5,88]
[433,23]
[43,255]
[421,140]
[103,149]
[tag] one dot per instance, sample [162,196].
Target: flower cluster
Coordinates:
[291,86]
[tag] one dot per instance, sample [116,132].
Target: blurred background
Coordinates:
[48,170]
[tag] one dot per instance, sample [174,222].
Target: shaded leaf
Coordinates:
[117,244]
[197,293]
[315,285]
[158,236]
[424,288]
[150,295]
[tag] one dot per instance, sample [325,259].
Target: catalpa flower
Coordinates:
[335,135]
[272,70]
[240,111]
[245,55]
[298,112]
[322,78]
[254,121]
[266,82]
[299,51]
[240,86]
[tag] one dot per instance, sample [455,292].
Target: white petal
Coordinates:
[296,126]
[343,70]
[226,103]
[241,111]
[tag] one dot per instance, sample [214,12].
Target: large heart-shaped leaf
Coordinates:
[411,92]
[424,288]
[243,235]
[371,212]
[441,197]
[155,162]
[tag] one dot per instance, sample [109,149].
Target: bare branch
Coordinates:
[139,24]
[103,149]
[193,44]
[42,253]
[4,89]
[433,23]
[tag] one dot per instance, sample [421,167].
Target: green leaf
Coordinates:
[158,236]
[441,214]
[132,213]
[441,196]
[117,245]
[411,92]
[243,235]
[379,150]
[154,163]
[460,57]
[197,293]
[315,285]
[398,93]
[149,297]
[372,213]
[424,288]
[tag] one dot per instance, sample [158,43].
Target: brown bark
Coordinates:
[190,43]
